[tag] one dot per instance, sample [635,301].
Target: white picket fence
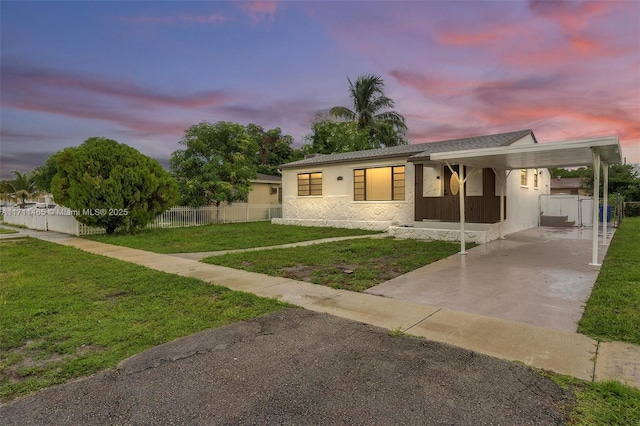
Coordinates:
[62,220]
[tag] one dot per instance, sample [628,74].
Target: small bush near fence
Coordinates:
[61,219]
[632,209]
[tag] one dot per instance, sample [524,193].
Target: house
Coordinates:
[406,191]
[410,190]
[265,189]
[570,186]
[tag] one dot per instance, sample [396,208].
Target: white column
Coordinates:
[596,201]
[462,218]
[605,201]
[503,192]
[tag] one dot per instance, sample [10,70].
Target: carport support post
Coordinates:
[605,201]
[462,218]
[596,200]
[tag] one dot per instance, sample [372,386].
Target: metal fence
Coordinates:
[63,220]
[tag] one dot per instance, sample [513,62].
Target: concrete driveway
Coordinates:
[539,276]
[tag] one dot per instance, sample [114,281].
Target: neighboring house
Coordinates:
[570,186]
[266,189]
[404,190]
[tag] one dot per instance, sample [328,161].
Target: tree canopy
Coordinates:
[111,185]
[217,164]
[274,148]
[329,136]
[622,179]
[370,112]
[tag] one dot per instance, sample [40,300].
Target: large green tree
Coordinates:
[623,179]
[329,136]
[217,164]
[274,148]
[371,112]
[112,185]
[43,175]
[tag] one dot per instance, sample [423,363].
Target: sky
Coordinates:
[142,72]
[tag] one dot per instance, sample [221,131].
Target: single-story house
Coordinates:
[265,189]
[414,191]
[402,187]
[571,186]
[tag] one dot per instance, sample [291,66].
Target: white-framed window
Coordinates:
[379,184]
[523,177]
[309,184]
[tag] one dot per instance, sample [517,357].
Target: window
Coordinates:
[310,184]
[523,177]
[378,184]
[535,178]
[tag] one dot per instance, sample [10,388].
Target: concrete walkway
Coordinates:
[203,254]
[545,348]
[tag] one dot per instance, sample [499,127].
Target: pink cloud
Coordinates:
[475,37]
[21,82]
[176,19]
[260,10]
[430,86]
[131,106]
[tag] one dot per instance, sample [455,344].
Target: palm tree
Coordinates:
[369,100]
[23,188]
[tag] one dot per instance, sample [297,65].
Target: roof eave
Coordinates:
[347,160]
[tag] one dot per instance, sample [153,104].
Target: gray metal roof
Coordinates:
[420,151]
[271,178]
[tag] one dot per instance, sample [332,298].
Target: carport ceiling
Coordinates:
[553,154]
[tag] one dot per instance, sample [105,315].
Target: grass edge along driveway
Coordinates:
[613,309]
[77,313]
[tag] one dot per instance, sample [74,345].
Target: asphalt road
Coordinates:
[298,367]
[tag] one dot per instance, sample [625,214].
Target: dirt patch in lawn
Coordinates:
[342,275]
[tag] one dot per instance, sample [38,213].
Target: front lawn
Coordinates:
[223,237]
[66,313]
[613,310]
[8,231]
[353,265]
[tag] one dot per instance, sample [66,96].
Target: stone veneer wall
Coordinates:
[478,237]
[336,206]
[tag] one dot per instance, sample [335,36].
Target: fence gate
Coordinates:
[576,208]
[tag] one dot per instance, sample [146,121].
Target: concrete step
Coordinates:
[558,221]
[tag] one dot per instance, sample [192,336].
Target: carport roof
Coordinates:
[552,154]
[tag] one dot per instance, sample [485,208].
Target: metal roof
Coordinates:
[567,183]
[552,154]
[415,151]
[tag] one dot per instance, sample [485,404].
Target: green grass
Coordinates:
[65,313]
[613,310]
[602,403]
[353,264]
[223,237]
[7,231]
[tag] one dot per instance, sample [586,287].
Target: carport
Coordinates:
[597,152]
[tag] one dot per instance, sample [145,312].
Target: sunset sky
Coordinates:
[142,72]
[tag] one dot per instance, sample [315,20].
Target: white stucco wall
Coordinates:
[523,201]
[336,207]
